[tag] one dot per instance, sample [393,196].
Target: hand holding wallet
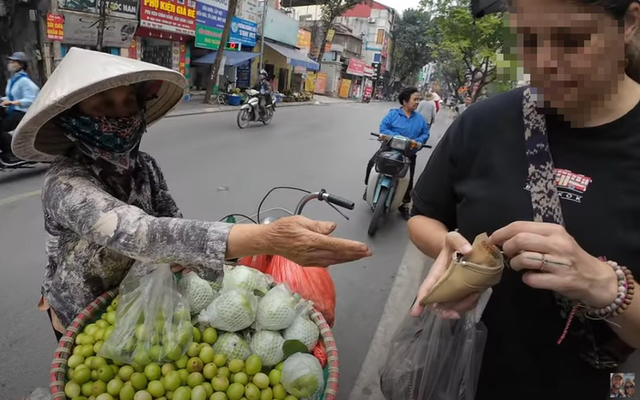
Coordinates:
[474,273]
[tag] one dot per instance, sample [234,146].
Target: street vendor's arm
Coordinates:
[77,201]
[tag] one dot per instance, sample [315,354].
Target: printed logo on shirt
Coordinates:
[571,186]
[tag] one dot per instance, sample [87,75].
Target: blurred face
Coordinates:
[630,389]
[467,101]
[119,102]
[13,66]
[617,382]
[574,53]
[412,103]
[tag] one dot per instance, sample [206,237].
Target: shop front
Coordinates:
[356,71]
[288,66]
[81,25]
[167,29]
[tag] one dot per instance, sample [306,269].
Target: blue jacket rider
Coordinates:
[404,121]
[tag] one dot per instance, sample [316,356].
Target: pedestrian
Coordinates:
[551,172]
[428,109]
[20,94]
[460,108]
[106,203]
[404,121]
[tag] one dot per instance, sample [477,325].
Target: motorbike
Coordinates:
[17,165]
[250,111]
[389,182]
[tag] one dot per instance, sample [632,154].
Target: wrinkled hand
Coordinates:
[453,242]
[8,103]
[179,268]
[308,243]
[569,269]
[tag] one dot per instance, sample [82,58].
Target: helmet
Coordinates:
[19,56]
[265,73]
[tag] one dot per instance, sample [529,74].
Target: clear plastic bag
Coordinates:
[153,321]
[434,358]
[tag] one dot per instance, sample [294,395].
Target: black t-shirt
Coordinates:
[476,181]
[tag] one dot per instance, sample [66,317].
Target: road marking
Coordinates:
[16,198]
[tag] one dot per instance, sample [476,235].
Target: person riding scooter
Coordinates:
[404,121]
[264,87]
[20,94]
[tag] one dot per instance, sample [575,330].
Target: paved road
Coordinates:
[214,168]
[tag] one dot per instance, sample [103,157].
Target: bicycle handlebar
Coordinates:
[422,145]
[322,195]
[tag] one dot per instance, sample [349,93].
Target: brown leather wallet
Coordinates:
[473,273]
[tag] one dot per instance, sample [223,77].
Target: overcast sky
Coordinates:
[400,5]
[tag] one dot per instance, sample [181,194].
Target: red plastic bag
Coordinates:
[261,263]
[312,283]
[320,352]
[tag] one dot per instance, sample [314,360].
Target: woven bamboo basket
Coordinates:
[58,374]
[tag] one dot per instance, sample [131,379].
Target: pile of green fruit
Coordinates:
[198,375]
[199,364]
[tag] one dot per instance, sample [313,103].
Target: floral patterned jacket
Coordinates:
[96,230]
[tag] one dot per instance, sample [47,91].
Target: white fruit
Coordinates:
[242,277]
[197,291]
[232,311]
[233,346]
[268,346]
[277,309]
[303,330]
[302,376]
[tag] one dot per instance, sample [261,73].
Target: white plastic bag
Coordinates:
[153,322]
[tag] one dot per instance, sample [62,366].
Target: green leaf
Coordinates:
[291,347]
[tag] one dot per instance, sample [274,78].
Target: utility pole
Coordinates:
[264,21]
[101,23]
[215,67]
[53,52]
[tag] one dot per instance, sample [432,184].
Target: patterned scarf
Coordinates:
[113,140]
[600,347]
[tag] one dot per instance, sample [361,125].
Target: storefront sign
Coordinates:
[122,8]
[344,88]
[385,47]
[280,27]
[327,47]
[177,16]
[368,70]
[243,32]
[330,35]
[356,67]
[134,48]
[310,83]
[321,83]
[55,27]
[243,75]
[368,91]
[304,39]
[82,29]
[210,18]
[249,10]
[88,6]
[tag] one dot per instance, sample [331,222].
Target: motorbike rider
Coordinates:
[404,121]
[20,94]
[264,87]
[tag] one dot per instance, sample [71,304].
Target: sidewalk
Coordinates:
[194,106]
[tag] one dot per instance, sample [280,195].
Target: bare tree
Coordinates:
[215,67]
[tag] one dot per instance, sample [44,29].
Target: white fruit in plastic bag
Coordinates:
[268,346]
[232,311]
[277,309]
[242,277]
[233,346]
[303,330]
[302,376]
[197,291]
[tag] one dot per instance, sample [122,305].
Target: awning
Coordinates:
[294,57]
[233,57]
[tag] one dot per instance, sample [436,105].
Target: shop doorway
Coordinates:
[283,78]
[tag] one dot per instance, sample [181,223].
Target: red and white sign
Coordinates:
[177,16]
[368,71]
[55,27]
[356,67]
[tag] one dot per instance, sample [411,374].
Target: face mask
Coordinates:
[111,139]
[13,67]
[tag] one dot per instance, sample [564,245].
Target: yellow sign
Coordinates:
[330,35]
[310,83]
[344,88]
[304,39]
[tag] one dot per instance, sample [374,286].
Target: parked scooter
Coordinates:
[250,112]
[389,182]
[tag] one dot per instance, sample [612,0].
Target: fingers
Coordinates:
[330,251]
[457,242]
[321,227]
[536,261]
[544,229]
[531,242]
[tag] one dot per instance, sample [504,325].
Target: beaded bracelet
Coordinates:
[626,289]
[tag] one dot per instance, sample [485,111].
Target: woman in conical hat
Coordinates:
[106,203]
